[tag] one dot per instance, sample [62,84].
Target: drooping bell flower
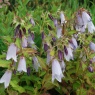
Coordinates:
[36,64]
[60,55]
[6,78]
[62,64]
[59,31]
[32,21]
[55,22]
[49,57]
[92,46]
[68,53]
[54,39]
[22,65]
[42,35]
[28,71]
[91,27]
[46,47]
[11,53]
[73,43]
[56,71]
[62,17]
[90,69]
[24,42]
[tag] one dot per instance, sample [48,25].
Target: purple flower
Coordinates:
[6,78]
[32,21]
[24,42]
[65,50]
[11,53]
[60,54]
[54,39]
[43,36]
[90,69]
[22,65]
[46,47]
[92,46]
[56,71]
[28,71]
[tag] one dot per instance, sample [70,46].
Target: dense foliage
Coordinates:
[29,29]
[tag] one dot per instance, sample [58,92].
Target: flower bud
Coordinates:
[90,69]
[28,71]
[60,54]
[46,47]
[42,35]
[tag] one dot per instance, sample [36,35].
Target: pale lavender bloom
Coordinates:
[11,53]
[91,27]
[86,18]
[49,57]
[59,31]
[22,65]
[55,22]
[24,42]
[56,71]
[92,46]
[32,21]
[36,64]
[69,55]
[73,43]
[30,40]
[62,64]
[90,68]
[6,78]
[62,18]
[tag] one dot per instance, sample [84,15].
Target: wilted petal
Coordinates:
[56,71]
[22,65]
[36,64]
[6,78]
[11,53]
[69,55]
[24,42]
[92,46]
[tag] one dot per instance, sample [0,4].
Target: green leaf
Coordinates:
[15,85]
[5,63]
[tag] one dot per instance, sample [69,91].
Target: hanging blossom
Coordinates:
[24,42]
[56,71]
[59,31]
[62,64]
[22,65]
[36,64]
[49,57]
[92,46]
[62,17]
[68,53]
[83,21]
[73,43]
[11,53]
[6,78]
[32,21]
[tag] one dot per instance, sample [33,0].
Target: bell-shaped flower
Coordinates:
[11,53]
[92,46]
[73,43]
[49,57]
[90,69]
[6,78]
[55,22]
[24,42]
[62,64]
[60,55]
[59,31]
[68,53]
[62,17]
[91,27]
[36,64]
[56,71]
[22,65]
[32,21]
